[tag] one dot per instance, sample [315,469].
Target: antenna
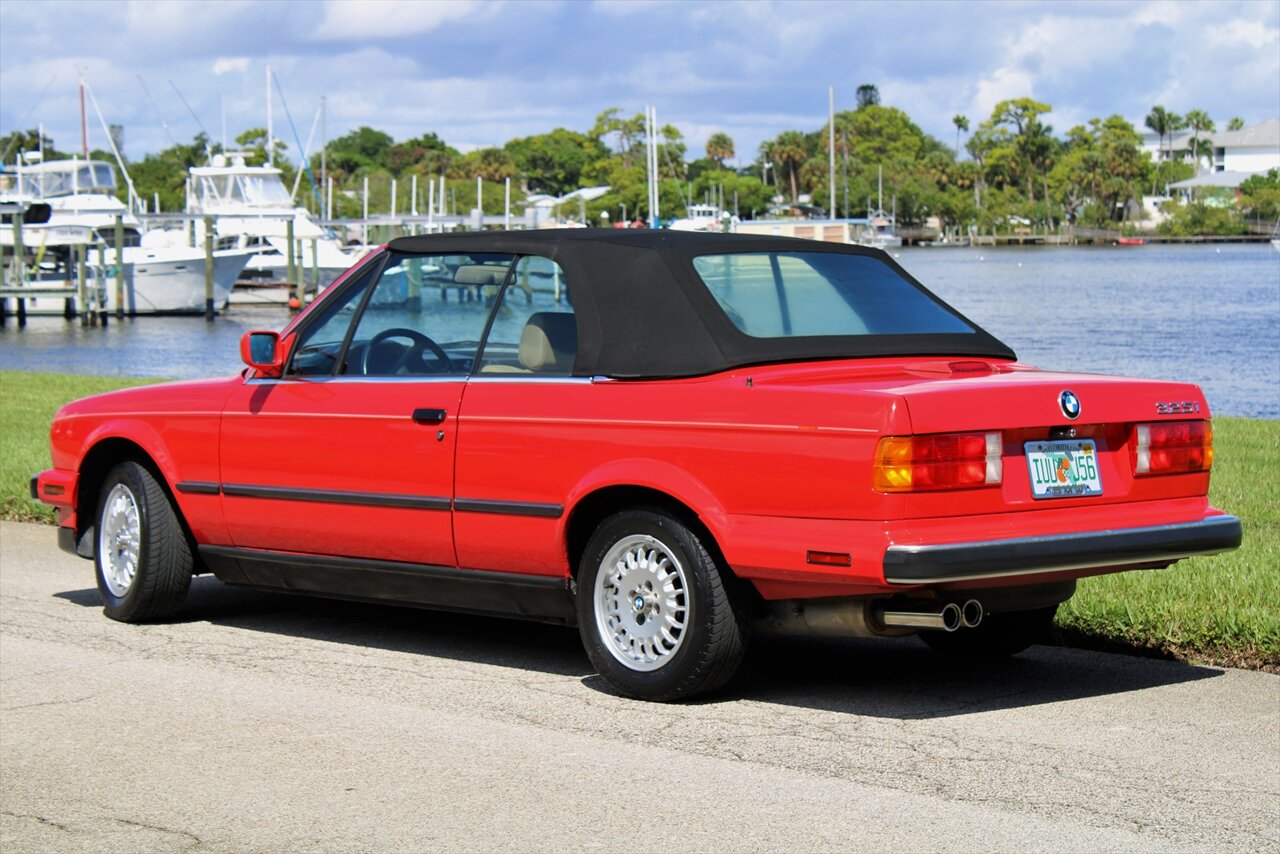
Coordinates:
[154,106]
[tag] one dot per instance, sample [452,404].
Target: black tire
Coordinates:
[997,636]
[714,636]
[158,588]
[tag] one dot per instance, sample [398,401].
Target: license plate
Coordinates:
[1065,469]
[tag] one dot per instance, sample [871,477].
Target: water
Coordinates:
[1203,314]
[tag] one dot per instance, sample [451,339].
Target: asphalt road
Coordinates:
[263,722]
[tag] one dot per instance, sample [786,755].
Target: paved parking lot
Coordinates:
[266,722]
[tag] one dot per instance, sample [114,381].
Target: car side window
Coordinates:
[534,332]
[426,315]
[320,346]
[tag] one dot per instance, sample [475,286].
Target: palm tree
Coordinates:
[720,147]
[1198,120]
[1162,122]
[962,124]
[788,150]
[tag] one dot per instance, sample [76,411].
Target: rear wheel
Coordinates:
[142,558]
[659,618]
[997,636]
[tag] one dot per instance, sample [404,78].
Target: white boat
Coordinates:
[880,230]
[253,210]
[84,210]
[700,218]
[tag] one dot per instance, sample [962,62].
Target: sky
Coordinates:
[481,72]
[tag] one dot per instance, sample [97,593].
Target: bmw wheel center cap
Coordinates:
[1070,404]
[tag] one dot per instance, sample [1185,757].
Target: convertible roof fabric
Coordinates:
[643,311]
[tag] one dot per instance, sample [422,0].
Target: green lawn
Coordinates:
[27,404]
[1223,609]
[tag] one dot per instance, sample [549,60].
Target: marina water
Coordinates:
[1208,314]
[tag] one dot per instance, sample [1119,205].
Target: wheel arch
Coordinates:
[601,503]
[104,455]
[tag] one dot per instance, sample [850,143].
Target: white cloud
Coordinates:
[353,19]
[225,64]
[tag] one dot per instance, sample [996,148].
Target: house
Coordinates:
[1255,148]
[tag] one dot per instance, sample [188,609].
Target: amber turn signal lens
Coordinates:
[940,461]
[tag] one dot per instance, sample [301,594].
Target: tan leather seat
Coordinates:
[549,342]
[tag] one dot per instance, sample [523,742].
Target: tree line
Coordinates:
[1012,168]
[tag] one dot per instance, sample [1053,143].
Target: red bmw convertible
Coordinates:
[669,439]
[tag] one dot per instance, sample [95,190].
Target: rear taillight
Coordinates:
[1167,447]
[942,461]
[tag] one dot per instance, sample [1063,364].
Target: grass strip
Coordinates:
[1219,610]
[1214,610]
[27,404]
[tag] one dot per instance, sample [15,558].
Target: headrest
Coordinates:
[480,274]
[549,342]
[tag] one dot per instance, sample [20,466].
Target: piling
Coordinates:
[315,265]
[299,284]
[208,269]
[119,236]
[82,293]
[100,286]
[291,258]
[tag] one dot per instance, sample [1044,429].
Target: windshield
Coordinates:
[803,294]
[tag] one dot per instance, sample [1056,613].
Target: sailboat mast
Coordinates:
[271,160]
[84,123]
[831,152]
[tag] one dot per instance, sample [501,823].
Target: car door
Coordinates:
[350,452]
[520,447]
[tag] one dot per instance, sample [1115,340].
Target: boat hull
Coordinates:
[160,282]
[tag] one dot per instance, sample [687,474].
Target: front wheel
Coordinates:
[659,617]
[143,561]
[997,636]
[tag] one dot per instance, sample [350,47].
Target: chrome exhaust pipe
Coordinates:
[948,618]
[971,614]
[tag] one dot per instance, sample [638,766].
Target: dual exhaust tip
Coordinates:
[948,618]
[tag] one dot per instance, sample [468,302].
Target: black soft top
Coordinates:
[643,311]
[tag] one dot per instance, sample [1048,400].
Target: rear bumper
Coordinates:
[1160,544]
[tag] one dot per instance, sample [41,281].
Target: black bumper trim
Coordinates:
[931,564]
[35,487]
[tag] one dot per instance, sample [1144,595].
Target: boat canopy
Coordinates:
[216,190]
[66,178]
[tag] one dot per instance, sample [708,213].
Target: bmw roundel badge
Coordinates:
[1070,404]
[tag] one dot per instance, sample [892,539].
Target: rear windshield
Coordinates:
[803,294]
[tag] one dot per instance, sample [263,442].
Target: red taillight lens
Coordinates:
[1168,447]
[942,461]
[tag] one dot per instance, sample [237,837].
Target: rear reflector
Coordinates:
[828,558]
[942,461]
[1169,447]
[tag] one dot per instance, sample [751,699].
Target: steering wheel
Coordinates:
[415,350]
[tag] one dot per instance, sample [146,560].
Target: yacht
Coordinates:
[167,279]
[253,210]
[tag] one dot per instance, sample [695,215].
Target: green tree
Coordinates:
[491,164]
[27,140]
[788,153]
[868,95]
[555,162]
[1029,138]
[361,151]
[1260,196]
[962,126]
[1163,123]
[426,155]
[1235,124]
[1199,122]
[629,132]
[719,147]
